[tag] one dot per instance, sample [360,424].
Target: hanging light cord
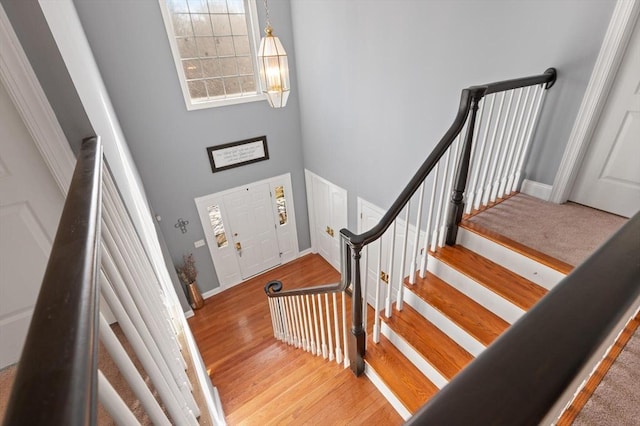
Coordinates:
[266,8]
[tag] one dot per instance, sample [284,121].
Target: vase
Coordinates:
[195,297]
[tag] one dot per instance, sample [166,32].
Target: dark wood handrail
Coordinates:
[274,288]
[517,379]
[56,379]
[468,95]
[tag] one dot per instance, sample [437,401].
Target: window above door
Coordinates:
[213,43]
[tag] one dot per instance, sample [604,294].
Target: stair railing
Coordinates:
[478,161]
[97,250]
[531,373]
[314,319]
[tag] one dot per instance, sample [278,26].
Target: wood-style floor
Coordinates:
[262,381]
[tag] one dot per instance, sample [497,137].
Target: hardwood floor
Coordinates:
[262,381]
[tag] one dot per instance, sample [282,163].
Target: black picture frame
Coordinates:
[235,154]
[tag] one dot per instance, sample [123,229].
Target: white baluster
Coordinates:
[315,326]
[312,339]
[376,324]
[344,330]
[284,319]
[329,330]
[513,139]
[403,259]
[528,138]
[501,151]
[487,160]
[153,365]
[492,160]
[511,147]
[274,325]
[143,280]
[130,374]
[480,160]
[291,300]
[435,235]
[299,323]
[139,311]
[413,267]
[322,331]
[304,324]
[512,164]
[114,405]
[292,337]
[429,229]
[494,154]
[337,329]
[387,308]
[450,179]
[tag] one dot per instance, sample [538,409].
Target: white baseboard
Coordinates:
[536,189]
[208,294]
[189,313]
[305,252]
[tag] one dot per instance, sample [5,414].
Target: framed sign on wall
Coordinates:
[236,154]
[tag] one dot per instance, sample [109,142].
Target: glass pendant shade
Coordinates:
[274,70]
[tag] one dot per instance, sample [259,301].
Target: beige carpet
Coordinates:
[111,372]
[616,400]
[569,232]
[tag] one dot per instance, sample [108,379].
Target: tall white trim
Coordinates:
[604,72]
[25,91]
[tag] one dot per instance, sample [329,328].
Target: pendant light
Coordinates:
[274,67]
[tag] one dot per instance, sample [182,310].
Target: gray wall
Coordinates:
[380,80]
[168,143]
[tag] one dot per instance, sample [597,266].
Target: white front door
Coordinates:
[249,229]
[609,178]
[253,229]
[30,207]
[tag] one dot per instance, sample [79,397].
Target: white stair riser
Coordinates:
[412,355]
[522,265]
[386,392]
[450,328]
[485,297]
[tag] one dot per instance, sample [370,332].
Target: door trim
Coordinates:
[235,278]
[604,72]
[21,82]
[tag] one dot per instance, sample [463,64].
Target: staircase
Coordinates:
[462,304]
[471,288]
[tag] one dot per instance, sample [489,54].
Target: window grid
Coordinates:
[214,48]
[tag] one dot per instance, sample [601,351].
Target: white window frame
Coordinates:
[254,31]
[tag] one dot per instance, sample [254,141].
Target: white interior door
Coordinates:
[328,215]
[609,178]
[253,229]
[30,208]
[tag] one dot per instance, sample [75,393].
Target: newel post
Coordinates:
[358,334]
[456,209]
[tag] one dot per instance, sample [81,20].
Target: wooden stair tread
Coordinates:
[517,247]
[475,319]
[520,291]
[438,349]
[406,382]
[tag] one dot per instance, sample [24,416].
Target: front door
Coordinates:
[253,229]
[609,178]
